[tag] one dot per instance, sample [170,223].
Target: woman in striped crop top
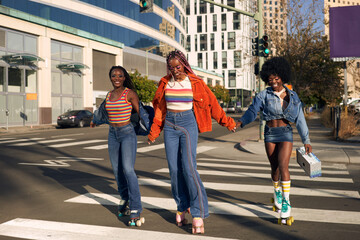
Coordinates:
[122,140]
[184,106]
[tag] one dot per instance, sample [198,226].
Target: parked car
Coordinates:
[78,118]
[354,105]
[232,108]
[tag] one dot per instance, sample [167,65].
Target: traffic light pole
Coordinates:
[258,16]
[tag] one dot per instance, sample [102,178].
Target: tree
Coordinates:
[144,87]
[220,92]
[314,76]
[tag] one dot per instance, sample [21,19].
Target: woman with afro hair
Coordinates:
[279,106]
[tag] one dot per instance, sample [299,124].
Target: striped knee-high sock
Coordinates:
[286,189]
[276,185]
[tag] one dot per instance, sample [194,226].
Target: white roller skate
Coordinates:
[180,218]
[285,218]
[123,208]
[277,200]
[135,219]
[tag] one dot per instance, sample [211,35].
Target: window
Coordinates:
[236,21]
[232,78]
[209,81]
[199,24]
[2,79]
[30,81]
[212,41]
[222,41]
[196,43]
[203,42]
[200,60]
[231,3]
[202,7]
[214,22]
[14,80]
[237,59]
[231,40]
[188,43]
[215,60]
[223,22]
[224,59]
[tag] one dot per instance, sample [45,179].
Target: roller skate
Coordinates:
[198,226]
[123,208]
[277,200]
[135,219]
[180,218]
[285,218]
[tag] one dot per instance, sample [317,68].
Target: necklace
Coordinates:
[174,82]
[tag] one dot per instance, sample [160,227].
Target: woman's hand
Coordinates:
[234,129]
[238,124]
[92,125]
[308,148]
[150,142]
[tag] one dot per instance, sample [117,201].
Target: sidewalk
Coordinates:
[245,144]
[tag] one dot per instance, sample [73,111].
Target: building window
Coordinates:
[196,43]
[232,78]
[222,41]
[188,43]
[211,8]
[200,60]
[214,22]
[212,41]
[195,7]
[206,23]
[199,24]
[223,22]
[203,42]
[202,7]
[224,60]
[237,59]
[236,21]
[215,60]
[209,81]
[231,3]
[231,40]
[358,64]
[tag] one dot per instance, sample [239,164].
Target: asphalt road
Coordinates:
[59,184]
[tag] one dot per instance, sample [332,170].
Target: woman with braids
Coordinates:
[122,141]
[279,106]
[184,106]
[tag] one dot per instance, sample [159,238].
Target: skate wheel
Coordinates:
[272,200]
[288,222]
[292,219]
[274,209]
[283,221]
[142,220]
[138,223]
[279,221]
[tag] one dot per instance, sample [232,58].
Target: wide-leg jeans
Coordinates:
[180,137]
[122,143]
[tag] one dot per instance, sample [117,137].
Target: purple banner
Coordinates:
[345,31]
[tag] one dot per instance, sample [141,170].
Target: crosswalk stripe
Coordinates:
[263,175]
[219,165]
[248,210]
[41,142]
[260,188]
[21,140]
[2,139]
[40,229]
[266,162]
[201,149]
[150,148]
[77,143]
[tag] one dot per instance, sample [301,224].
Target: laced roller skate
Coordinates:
[180,218]
[198,226]
[277,201]
[135,219]
[123,208]
[285,218]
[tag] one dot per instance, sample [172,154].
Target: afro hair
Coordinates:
[277,66]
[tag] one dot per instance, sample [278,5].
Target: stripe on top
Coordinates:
[119,111]
[179,95]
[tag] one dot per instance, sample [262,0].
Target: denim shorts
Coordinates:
[278,134]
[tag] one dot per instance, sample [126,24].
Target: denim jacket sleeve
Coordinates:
[302,127]
[251,113]
[101,115]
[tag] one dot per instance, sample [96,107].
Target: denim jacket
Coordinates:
[141,124]
[269,103]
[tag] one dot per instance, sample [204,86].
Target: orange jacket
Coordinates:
[205,106]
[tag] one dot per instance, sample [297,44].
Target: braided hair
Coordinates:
[181,58]
[128,82]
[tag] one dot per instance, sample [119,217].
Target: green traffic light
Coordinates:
[267,51]
[144,4]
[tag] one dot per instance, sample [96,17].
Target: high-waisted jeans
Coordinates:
[122,143]
[181,136]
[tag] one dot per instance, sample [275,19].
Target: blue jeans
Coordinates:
[122,143]
[181,136]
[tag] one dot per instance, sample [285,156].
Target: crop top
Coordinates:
[179,95]
[119,111]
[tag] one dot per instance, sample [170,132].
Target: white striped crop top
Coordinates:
[179,95]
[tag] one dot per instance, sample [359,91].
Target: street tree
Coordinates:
[220,92]
[144,87]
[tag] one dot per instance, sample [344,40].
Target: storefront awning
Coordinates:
[71,66]
[20,57]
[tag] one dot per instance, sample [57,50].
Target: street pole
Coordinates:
[345,88]
[258,16]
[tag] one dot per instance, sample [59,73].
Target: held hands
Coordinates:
[308,148]
[92,125]
[150,142]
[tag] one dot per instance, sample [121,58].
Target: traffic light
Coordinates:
[256,68]
[146,6]
[255,46]
[265,46]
